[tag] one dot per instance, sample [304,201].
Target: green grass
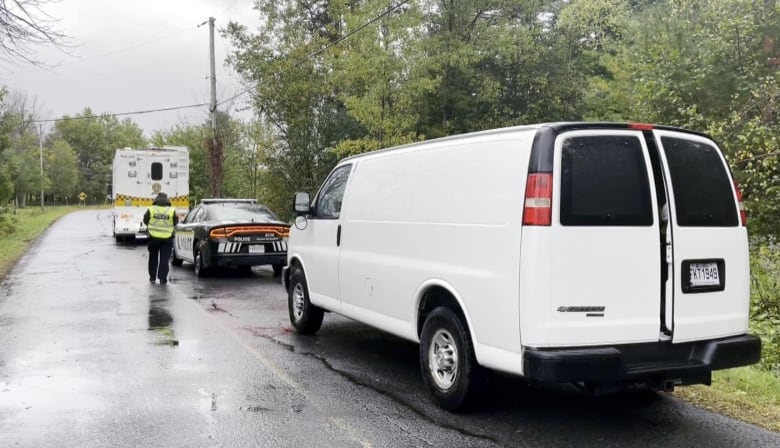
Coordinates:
[29,223]
[746,394]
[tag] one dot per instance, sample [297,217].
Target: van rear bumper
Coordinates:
[661,360]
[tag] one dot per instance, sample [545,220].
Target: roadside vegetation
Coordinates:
[20,228]
[320,91]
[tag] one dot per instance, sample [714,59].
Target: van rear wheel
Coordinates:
[305,317]
[447,360]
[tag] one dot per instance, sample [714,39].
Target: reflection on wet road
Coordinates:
[92,355]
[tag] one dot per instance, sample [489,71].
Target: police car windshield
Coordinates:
[240,212]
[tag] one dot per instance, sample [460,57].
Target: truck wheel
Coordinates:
[200,268]
[447,360]
[305,317]
[175,261]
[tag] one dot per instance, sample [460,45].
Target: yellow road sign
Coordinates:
[82,196]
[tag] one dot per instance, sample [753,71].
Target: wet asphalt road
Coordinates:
[92,355]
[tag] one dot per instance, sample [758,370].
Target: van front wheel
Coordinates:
[447,360]
[305,317]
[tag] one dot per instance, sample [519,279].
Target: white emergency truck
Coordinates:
[138,176]
[607,255]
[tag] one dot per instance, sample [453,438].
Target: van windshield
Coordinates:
[703,194]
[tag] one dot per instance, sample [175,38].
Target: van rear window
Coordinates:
[604,182]
[703,193]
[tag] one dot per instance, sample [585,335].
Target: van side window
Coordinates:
[604,182]
[157,171]
[703,194]
[328,202]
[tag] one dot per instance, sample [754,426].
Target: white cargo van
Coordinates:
[138,176]
[609,255]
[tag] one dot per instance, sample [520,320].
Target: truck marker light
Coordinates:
[640,126]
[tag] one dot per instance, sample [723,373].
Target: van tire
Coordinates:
[444,332]
[305,317]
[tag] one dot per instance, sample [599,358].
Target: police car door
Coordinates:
[185,235]
[708,243]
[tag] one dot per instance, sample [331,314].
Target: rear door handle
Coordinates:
[338,235]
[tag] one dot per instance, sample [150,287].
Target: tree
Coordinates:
[370,75]
[20,169]
[94,140]
[25,24]
[61,169]
[24,167]
[291,91]
[194,138]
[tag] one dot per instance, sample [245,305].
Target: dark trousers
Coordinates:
[159,254]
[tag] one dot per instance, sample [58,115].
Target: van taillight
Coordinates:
[742,211]
[538,200]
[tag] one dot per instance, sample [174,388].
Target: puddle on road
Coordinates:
[160,319]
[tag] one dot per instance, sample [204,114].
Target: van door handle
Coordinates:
[338,235]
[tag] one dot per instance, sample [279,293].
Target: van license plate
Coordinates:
[257,249]
[704,274]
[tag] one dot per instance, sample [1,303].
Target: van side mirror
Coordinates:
[302,203]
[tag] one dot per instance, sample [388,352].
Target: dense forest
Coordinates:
[331,78]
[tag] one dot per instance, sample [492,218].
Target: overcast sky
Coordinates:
[133,55]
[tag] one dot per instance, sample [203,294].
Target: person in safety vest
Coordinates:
[160,220]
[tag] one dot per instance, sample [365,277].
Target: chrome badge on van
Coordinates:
[591,311]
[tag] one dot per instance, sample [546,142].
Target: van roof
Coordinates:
[556,127]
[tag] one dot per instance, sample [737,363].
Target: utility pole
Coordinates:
[215,153]
[40,150]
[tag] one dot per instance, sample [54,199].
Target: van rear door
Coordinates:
[605,244]
[708,240]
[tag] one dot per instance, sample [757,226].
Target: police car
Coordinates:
[230,233]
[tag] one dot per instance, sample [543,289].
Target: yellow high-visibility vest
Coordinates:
[161,222]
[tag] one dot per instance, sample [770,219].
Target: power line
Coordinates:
[323,49]
[243,92]
[131,47]
[119,114]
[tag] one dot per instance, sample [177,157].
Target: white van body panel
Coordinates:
[317,246]
[456,217]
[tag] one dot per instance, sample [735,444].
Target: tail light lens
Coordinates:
[538,200]
[742,211]
[220,232]
[228,232]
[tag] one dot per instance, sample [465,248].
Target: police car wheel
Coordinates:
[200,268]
[175,261]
